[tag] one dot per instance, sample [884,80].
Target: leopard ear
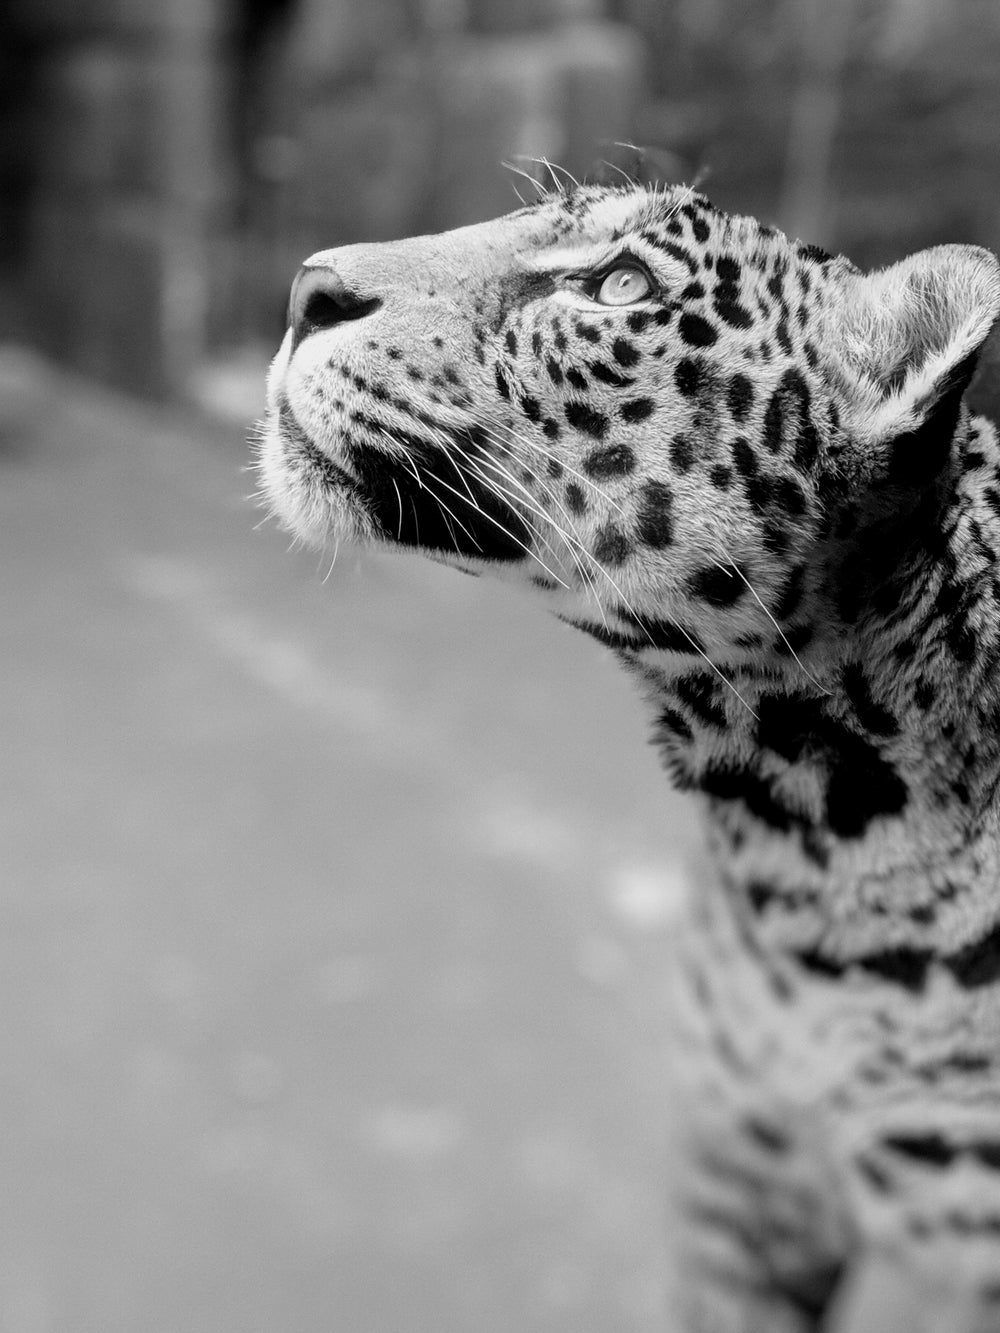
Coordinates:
[908,338]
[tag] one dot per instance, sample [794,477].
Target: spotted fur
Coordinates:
[758,484]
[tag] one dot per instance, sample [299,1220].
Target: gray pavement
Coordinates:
[332,911]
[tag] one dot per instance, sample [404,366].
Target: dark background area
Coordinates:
[334,896]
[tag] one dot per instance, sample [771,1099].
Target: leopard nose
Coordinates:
[320,299]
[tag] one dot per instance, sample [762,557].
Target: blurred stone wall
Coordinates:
[128,180]
[186,155]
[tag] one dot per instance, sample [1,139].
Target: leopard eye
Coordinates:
[623,286]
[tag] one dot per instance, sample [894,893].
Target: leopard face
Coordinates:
[661,416]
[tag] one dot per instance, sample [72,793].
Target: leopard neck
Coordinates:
[852,816]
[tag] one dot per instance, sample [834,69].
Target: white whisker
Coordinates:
[336,552]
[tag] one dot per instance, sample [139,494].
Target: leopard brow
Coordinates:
[594,262]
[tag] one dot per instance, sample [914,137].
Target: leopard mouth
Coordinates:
[421,495]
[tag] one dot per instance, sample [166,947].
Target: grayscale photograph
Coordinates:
[500,695]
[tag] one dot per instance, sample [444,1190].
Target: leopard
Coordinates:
[748,468]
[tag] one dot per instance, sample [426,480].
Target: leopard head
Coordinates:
[672,422]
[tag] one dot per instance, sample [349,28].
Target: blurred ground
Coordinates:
[329,970]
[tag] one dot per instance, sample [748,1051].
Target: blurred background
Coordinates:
[334,897]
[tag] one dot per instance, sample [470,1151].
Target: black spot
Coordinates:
[872,716]
[655,525]
[987,1151]
[697,332]
[694,291]
[551,428]
[638,320]
[760,491]
[789,725]
[700,229]
[806,446]
[744,457]
[814,252]
[718,587]
[728,269]
[739,396]
[437,340]
[531,409]
[553,467]
[862,787]
[587,331]
[575,498]
[773,423]
[681,453]
[617,460]
[673,724]
[511,341]
[663,634]
[679,253]
[584,418]
[922,915]
[502,388]
[961,641]
[689,377]
[577,379]
[608,376]
[904,967]
[624,353]
[978,963]
[924,694]
[555,370]
[736,315]
[767,1135]
[788,494]
[611,546]
[788,419]
[536,343]
[637,409]
[394,353]
[820,964]
[761,894]
[861,784]
[699,693]
[558,337]
[721,477]
[932,1148]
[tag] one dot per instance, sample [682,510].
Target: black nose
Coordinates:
[320,298]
